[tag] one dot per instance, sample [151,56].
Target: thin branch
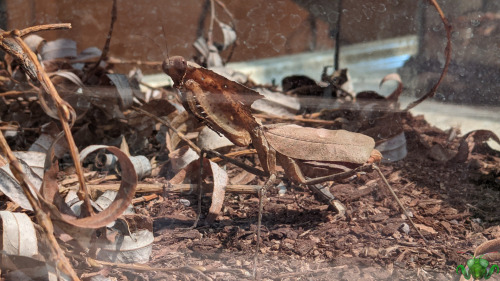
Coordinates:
[57,254]
[37,28]
[65,113]
[397,200]
[105,50]
[447,53]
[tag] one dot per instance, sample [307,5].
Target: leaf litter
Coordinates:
[449,184]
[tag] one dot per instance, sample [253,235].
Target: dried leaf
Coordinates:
[228,33]
[211,140]
[65,218]
[393,149]
[276,103]
[201,46]
[18,237]
[60,48]
[125,92]
[394,96]
[34,42]
[214,59]
[221,180]
[181,158]
[132,243]
[470,140]
[319,144]
[11,188]
[426,228]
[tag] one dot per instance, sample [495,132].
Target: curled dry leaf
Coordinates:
[10,186]
[221,180]
[190,174]
[125,93]
[394,96]
[64,218]
[319,144]
[60,48]
[182,157]
[470,141]
[18,237]
[228,33]
[34,42]
[210,140]
[132,240]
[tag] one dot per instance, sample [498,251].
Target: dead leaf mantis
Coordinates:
[303,153]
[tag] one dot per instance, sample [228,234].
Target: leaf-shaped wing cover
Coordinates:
[222,103]
[319,144]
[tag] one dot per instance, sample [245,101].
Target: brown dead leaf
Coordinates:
[65,218]
[319,144]
[470,141]
[426,228]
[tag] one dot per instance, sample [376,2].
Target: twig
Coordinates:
[114,60]
[233,23]
[66,114]
[57,254]
[210,37]
[141,267]
[262,193]
[447,53]
[397,200]
[38,28]
[181,188]
[105,50]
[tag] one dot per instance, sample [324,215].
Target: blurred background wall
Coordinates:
[264,28]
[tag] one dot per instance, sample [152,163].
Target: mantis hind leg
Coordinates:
[262,193]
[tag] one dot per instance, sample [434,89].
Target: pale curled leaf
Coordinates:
[210,140]
[319,144]
[214,59]
[394,96]
[182,157]
[190,174]
[60,48]
[393,149]
[130,240]
[11,188]
[221,180]
[228,33]
[124,89]
[34,42]
[18,236]
[201,46]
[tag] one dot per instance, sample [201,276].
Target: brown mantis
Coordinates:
[307,155]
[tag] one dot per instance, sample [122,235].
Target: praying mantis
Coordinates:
[307,155]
